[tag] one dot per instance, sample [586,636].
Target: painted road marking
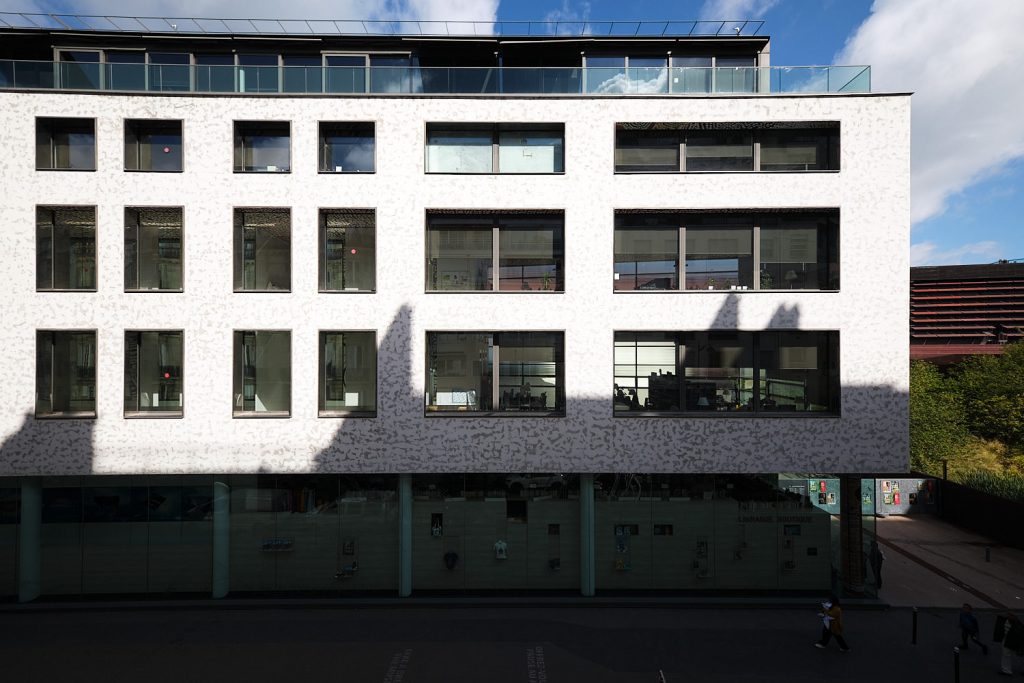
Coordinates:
[536,667]
[398,666]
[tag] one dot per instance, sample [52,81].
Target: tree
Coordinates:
[991,389]
[938,428]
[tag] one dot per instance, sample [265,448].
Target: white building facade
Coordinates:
[361,327]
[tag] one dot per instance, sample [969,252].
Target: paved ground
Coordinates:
[928,564]
[521,645]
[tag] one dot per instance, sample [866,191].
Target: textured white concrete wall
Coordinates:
[871,310]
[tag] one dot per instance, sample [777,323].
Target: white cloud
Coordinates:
[930,254]
[574,19]
[728,10]
[485,11]
[962,60]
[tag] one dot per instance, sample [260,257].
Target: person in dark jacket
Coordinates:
[1010,632]
[832,624]
[876,557]
[969,628]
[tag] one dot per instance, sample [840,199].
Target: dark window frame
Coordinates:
[322,250]
[52,242]
[135,127]
[134,336]
[831,339]
[66,414]
[241,249]
[248,128]
[238,373]
[496,130]
[494,379]
[322,166]
[48,126]
[496,219]
[832,130]
[137,264]
[322,410]
[754,220]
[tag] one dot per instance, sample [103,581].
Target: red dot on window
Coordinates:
[167,375]
[353,251]
[167,150]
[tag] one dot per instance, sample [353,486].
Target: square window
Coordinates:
[348,373]
[262,373]
[152,145]
[262,146]
[65,144]
[152,249]
[347,147]
[347,250]
[262,250]
[153,383]
[65,248]
[65,373]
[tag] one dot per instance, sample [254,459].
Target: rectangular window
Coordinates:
[65,144]
[495,148]
[496,372]
[262,147]
[719,253]
[347,250]
[348,373]
[65,248]
[152,145]
[65,373]
[262,373]
[719,150]
[80,69]
[152,249]
[727,372]
[726,147]
[812,149]
[263,250]
[463,248]
[345,73]
[125,69]
[795,249]
[153,382]
[302,73]
[646,252]
[347,147]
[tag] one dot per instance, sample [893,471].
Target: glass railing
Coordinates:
[436,80]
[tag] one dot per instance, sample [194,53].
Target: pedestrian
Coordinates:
[876,557]
[969,628]
[1010,632]
[832,624]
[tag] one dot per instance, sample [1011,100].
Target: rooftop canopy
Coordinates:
[347,27]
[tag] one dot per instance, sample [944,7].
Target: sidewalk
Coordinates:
[929,563]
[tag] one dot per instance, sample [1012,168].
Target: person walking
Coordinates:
[876,557]
[969,628]
[1010,632]
[832,624]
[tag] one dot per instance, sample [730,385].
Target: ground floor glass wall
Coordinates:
[333,534]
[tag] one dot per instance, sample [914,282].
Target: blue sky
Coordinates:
[968,114]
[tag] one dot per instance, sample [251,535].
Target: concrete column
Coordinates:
[587,534]
[221,539]
[29,540]
[851,536]
[404,535]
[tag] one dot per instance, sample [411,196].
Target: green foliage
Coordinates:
[938,428]
[1008,485]
[991,390]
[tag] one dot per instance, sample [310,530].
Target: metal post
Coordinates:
[945,465]
[913,632]
[988,553]
[221,538]
[956,665]
[29,535]
[404,535]
[587,534]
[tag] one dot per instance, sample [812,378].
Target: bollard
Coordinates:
[956,665]
[944,469]
[988,553]
[913,630]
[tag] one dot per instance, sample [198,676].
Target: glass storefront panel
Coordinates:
[10,518]
[313,532]
[495,532]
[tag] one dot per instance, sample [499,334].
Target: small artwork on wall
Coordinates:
[886,486]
